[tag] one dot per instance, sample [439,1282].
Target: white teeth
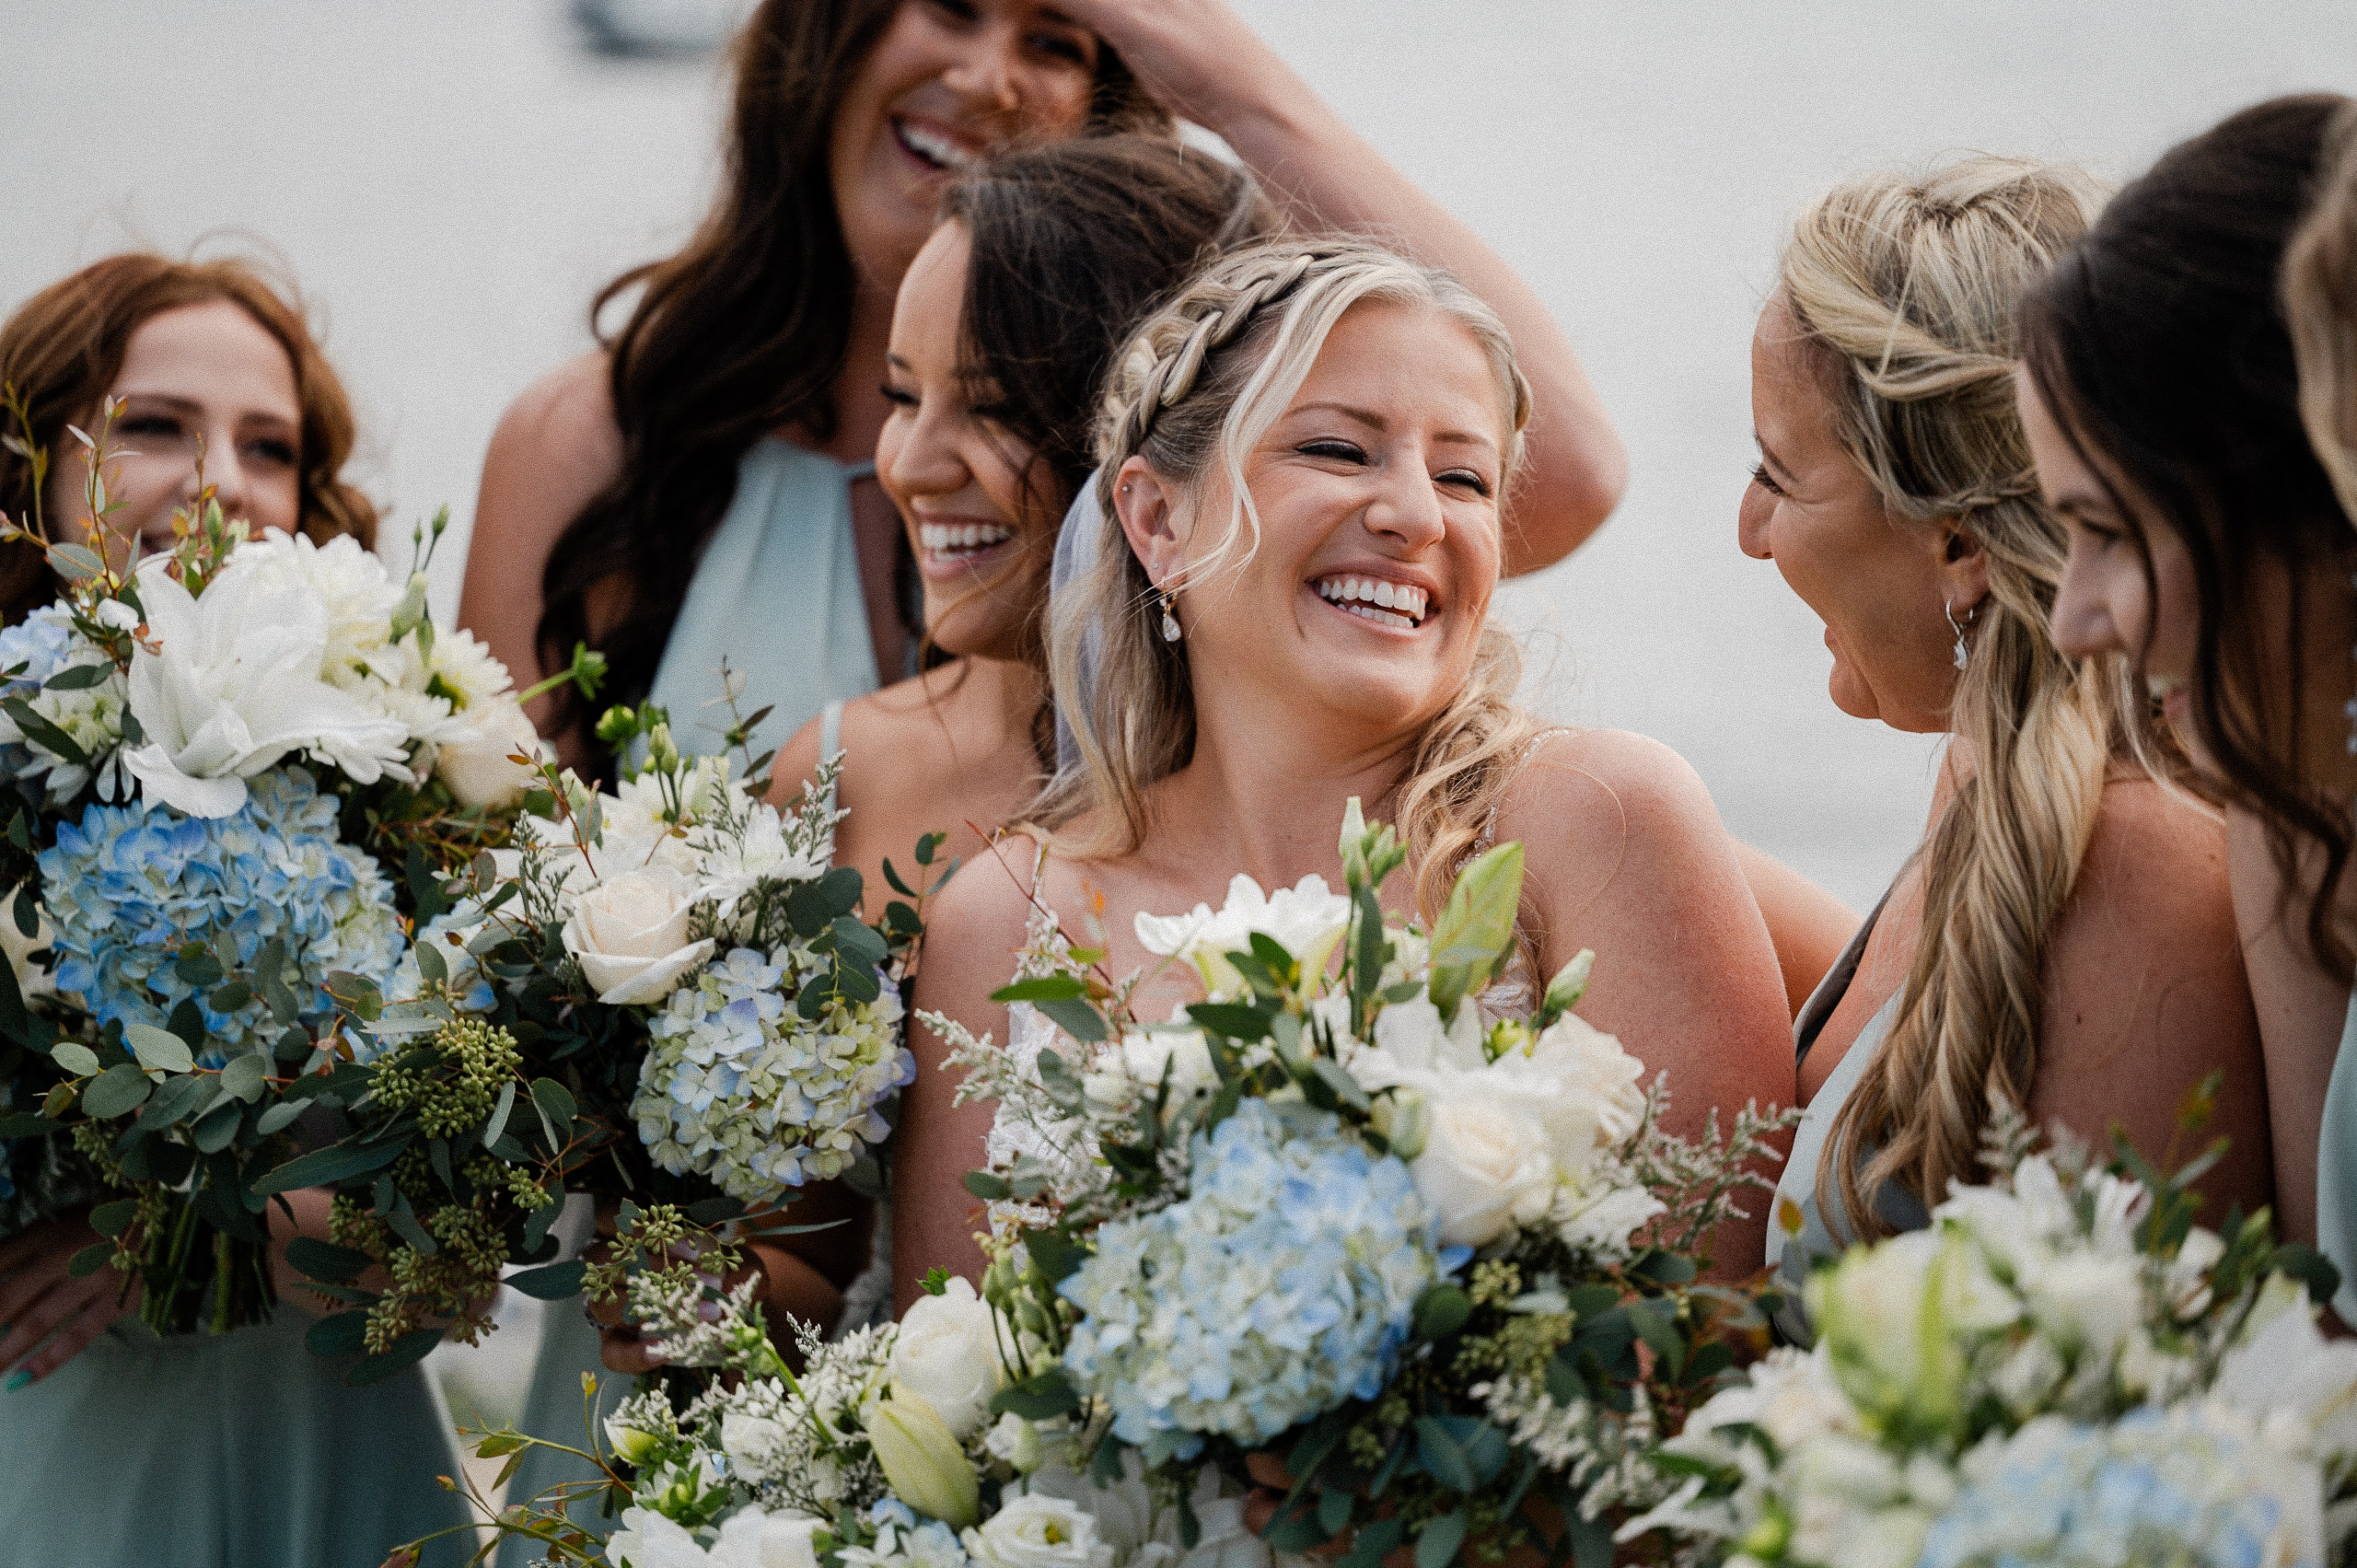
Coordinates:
[941,538]
[1374,599]
[932,148]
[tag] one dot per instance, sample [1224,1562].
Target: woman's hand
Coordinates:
[1198,57]
[40,1301]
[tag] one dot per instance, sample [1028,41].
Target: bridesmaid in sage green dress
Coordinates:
[242,1451]
[2064,936]
[2161,369]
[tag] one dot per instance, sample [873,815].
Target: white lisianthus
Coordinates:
[1305,919]
[947,1352]
[477,763]
[630,936]
[1035,1531]
[235,684]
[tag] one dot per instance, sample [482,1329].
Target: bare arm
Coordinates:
[1808,925]
[1200,58]
[555,450]
[1626,855]
[970,939]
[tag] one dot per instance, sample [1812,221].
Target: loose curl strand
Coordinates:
[1195,389]
[1905,288]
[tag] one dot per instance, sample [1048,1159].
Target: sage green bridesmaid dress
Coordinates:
[239,1450]
[778,594]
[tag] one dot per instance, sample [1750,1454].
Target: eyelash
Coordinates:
[1760,477]
[1057,44]
[1343,451]
[895,397]
[164,425]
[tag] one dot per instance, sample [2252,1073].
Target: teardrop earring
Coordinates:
[1963,654]
[1170,631]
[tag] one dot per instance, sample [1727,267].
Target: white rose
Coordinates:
[1032,1531]
[754,1537]
[947,1352]
[235,684]
[1486,1167]
[631,936]
[476,764]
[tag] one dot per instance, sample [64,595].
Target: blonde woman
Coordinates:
[2064,938]
[1303,457]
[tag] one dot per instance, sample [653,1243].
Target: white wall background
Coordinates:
[450,180]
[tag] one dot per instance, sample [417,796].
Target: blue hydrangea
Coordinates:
[738,1086]
[1279,1287]
[126,888]
[2169,1489]
[45,642]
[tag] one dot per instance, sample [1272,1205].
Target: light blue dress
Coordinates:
[1823,1234]
[2337,1170]
[240,1450]
[777,593]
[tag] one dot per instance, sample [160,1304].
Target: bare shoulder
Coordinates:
[566,415]
[1585,783]
[985,905]
[2152,884]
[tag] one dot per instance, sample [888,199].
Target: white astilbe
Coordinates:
[798,1445]
[1600,1450]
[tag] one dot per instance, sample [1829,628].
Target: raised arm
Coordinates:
[1200,58]
[971,934]
[555,448]
[1625,854]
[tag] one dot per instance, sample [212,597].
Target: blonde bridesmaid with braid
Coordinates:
[2065,938]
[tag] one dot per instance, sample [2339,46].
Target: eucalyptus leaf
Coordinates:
[121,1087]
[244,1077]
[75,1058]
[157,1049]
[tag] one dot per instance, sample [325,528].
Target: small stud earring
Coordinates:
[1170,632]
[1963,654]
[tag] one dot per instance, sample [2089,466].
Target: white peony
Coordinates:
[1306,920]
[1037,1531]
[477,763]
[630,936]
[235,683]
[946,1352]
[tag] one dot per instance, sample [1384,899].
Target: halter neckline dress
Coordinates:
[777,593]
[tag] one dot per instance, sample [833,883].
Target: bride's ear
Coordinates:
[1147,510]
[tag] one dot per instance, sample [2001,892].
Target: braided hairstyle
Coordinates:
[2320,302]
[1906,289]
[1197,385]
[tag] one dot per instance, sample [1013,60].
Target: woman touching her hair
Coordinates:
[244,1449]
[1303,459]
[2063,938]
[658,498]
[2163,398]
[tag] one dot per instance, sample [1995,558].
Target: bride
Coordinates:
[1303,455]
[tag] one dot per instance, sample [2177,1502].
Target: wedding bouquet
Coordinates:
[2063,1369]
[1443,1266]
[660,995]
[883,1453]
[233,771]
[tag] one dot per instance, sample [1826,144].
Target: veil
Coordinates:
[1076,545]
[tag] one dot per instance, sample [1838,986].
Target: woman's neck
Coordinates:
[1264,794]
[858,391]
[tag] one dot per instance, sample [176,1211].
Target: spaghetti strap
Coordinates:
[1488,839]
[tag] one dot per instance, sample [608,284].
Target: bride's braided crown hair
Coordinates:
[1905,287]
[1197,385]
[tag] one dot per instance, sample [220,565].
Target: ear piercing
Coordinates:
[1972,612]
[1170,631]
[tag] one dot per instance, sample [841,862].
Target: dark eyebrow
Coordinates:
[897,362]
[176,404]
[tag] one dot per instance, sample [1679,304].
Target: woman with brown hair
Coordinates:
[240,1450]
[2062,940]
[698,487]
[2163,399]
[209,360]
